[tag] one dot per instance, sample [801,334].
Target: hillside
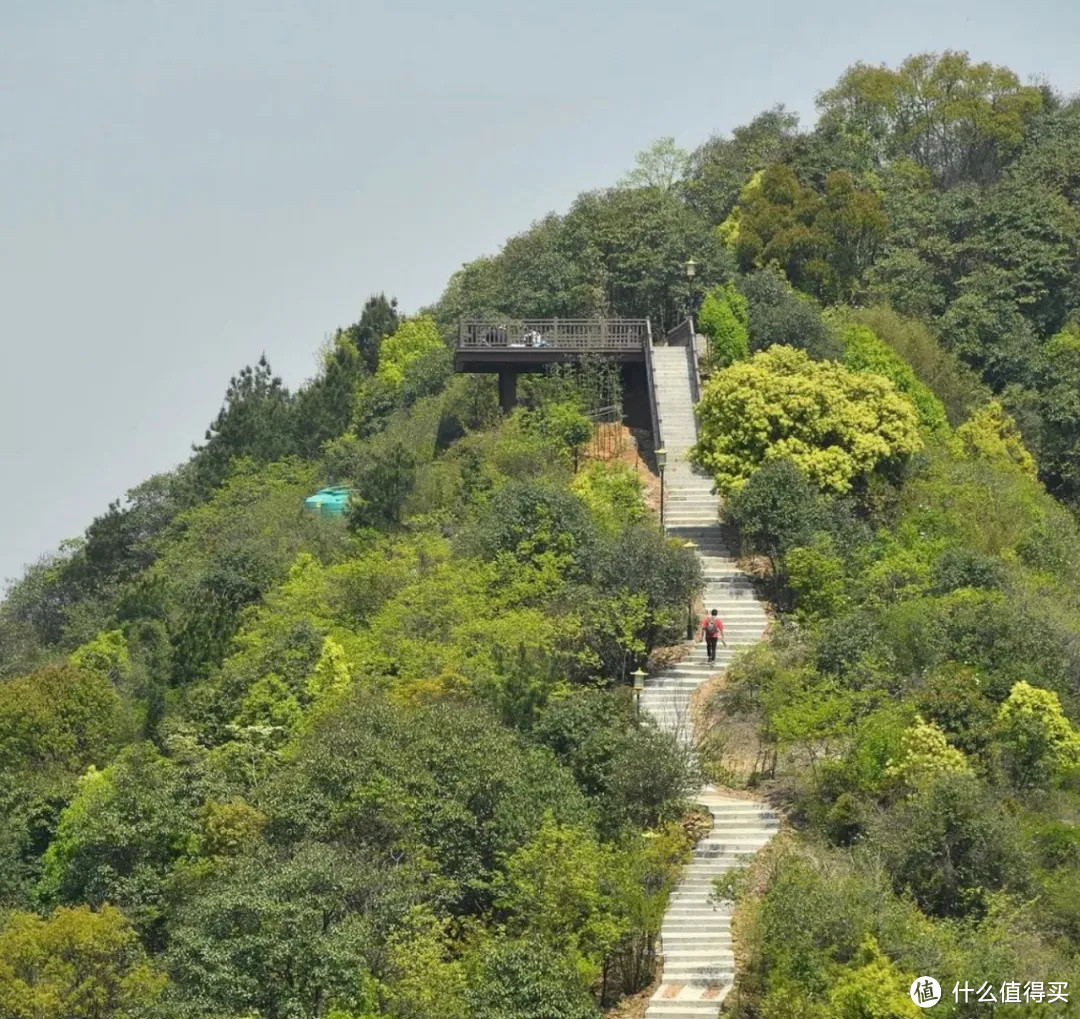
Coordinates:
[262,762]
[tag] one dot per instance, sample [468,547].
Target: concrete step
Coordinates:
[694,926]
[683,1008]
[678,972]
[693,930]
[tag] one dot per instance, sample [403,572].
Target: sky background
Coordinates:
[184,185]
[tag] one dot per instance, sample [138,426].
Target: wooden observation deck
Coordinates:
[511,346]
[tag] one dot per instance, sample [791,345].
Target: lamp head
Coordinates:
[691,269]
[639,679]
[661,458]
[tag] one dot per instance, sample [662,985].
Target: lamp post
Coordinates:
[661,463]
[691,272]
[639,685]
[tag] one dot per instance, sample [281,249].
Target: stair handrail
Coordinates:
[695,372]
[682,334]
[650,382]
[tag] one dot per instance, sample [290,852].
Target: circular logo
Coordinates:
[925,991]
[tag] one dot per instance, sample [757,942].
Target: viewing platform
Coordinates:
[490,346]
[511,346]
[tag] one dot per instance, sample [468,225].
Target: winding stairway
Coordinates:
[699,965]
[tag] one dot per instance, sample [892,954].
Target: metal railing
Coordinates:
[577,334]
[609,436]
[695,363]
[650,382]
[682,335]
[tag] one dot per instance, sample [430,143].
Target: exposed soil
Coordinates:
[634,1006]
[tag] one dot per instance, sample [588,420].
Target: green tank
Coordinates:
[329,502]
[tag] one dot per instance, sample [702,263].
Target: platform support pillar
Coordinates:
[507,389]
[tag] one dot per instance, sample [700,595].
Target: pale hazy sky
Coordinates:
[184,185]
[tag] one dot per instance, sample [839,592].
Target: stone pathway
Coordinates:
[699,966]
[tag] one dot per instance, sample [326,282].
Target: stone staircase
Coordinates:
[699,966]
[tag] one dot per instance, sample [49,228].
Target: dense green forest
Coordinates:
[262,763]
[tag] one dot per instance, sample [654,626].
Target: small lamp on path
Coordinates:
[639,685]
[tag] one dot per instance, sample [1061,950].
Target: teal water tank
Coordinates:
[329,502]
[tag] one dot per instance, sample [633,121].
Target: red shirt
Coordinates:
[719,624]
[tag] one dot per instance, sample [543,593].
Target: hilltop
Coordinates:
[263,761]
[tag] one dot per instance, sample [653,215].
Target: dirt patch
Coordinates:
[615,443]
[728,746]
[633,1006]
[665,657]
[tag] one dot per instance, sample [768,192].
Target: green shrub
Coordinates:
[1038,740]
[724,319]
[950,846]
[863,351]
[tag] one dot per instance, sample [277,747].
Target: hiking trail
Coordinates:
[696,945]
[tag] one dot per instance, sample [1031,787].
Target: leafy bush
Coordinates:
[959,566]
[951,845]
[776,509]
[412,342]
[836,425]
[926,755]
[992,435]
[526,980]
[594,734]
[59,718]
[780,316]
[614,493]
[957,387]
[724,318]
[534,521]
[864,352]
[74,963]
[118,838]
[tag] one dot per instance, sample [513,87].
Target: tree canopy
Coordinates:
[836,425]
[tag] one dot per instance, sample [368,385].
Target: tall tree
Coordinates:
[255,421]
[379,318]
[662,165]
[958,119]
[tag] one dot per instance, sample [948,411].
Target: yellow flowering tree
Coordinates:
[75,964]
[926,755]
[991,434]
[1038,740]
[415,339]
[834,423]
